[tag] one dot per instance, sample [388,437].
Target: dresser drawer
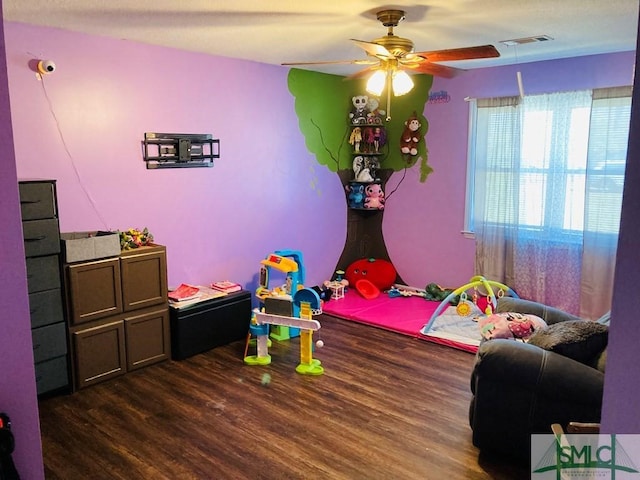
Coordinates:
[52,374]
[94,289]
[37,200]
[41,237]
[46,307]
[144,278]
[49,342]
[99,353]
[43,273]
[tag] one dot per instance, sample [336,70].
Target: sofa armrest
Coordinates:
[520,389]
[532,368]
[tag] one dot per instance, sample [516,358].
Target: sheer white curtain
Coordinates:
[607,154]
[547,193]
[496,156]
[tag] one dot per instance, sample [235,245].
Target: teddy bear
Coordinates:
[374,116]
[374,197]
[358,114]
[410,136]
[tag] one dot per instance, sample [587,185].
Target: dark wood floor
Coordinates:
[387,407]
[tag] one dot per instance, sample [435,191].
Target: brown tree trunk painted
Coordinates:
[364,228]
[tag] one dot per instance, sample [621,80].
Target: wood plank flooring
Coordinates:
[388,407]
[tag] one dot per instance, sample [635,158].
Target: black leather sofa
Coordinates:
[520,389]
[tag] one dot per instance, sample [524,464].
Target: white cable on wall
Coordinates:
[46,67]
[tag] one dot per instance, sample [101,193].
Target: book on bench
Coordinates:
[226,286]
[184,292]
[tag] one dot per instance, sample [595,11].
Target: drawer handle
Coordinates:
[37,346]
[29,201]
[32,311]
[38,378]
[35,239]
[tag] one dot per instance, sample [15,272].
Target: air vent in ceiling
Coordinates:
[521,41]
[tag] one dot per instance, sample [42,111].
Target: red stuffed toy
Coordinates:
[379,272]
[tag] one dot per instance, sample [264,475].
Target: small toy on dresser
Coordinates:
[134,238]
[226,286]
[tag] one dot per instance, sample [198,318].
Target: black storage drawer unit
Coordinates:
[41,232]
[205,325]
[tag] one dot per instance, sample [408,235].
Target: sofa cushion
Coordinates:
[580,340]
[549,314]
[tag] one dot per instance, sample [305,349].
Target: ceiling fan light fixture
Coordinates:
[402,83]
[376,82]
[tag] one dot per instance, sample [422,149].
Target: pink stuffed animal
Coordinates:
[374,197]
[510,325]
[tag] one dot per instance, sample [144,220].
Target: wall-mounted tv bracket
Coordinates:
[179,150]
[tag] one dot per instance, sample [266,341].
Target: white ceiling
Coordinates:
[280,31]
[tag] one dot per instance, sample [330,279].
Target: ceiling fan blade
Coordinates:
[432,69]
[336,62]
[373,49]
[455,54]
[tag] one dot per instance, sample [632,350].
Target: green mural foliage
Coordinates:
[323,103]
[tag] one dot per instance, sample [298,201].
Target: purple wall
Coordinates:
[17,378]
[430,247]
[84,124]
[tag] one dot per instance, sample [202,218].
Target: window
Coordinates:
[545,183]
[550,164]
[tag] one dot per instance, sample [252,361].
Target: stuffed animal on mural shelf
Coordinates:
[358,114]
[374,116]
[411,136]
[373,164]
[355,198]
[362,170]
[374,197]
[356,138]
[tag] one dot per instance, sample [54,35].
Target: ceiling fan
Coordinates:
[391,54]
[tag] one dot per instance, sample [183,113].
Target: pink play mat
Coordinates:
[406,315]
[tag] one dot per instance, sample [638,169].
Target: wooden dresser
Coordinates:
[118,314]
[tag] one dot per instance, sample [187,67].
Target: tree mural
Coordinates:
[322,104]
